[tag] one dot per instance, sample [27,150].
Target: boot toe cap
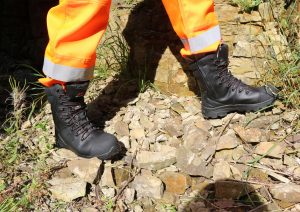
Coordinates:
[105,146]
[268,92]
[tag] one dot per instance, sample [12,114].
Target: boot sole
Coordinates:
[111,153]
[221,111]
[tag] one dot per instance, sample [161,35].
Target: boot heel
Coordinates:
[211,114]
[59,142]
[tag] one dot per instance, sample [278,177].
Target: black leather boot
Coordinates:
[221,92]
[73,130]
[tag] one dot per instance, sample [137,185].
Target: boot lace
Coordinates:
[75,115]
[228,79]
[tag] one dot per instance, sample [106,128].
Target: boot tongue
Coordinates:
[223,52]
[76,90]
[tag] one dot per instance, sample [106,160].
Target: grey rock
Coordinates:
[148,186]
[64,154]
[121,128]
[227,142]
[263,121]
[208,152]
[127,117]
[251,135]
[191,164]
[221,171]
[296,173]
[253,17]
[138,208]
[177,107]
[192,106]
[289,161]
[265,11]
[162,114]
[85,169]
[216,122]
[275,126]
[195,139]
[125,141]
[174,128]
[287,192]
[226,154]
[276,111]
[236,173]
[290,116]
[174,142]
[169,198]
[146,123]
[108,192]
[137,133]
[107,178]
[272,163]
[161,138]
[134,124]
[203,124]
[271,149]
[155,160]
[89,209]
[67,189]
[129,195]
[238,152]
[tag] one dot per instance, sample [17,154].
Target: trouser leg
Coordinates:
[196,23]
[75,29]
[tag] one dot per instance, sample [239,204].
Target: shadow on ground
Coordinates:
[226,195]
[148,33]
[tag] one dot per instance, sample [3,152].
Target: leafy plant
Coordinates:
[247,5]
[284,72]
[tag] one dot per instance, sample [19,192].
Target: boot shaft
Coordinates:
[207,72]
[65,100]
[74,91]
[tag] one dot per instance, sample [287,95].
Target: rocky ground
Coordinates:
[175,160]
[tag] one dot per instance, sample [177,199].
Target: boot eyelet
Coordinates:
[247,92]
[240,91]
[232,89]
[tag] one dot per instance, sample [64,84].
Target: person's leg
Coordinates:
[195,22]
[75,29]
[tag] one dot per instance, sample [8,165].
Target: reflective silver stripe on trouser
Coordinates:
[66,73]
[203,40]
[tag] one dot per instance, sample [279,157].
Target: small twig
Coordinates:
[137,171]
[271,198]
[219,136]
[246,181]
[97,181]
[225,126]
[273,174]
[115,199]
[259,207]
[14,187]
[262,167]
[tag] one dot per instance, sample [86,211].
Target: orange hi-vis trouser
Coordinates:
[75,28]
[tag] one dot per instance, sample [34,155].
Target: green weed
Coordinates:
[247,5]
[112,54]
[20,194]
[18,102]
[284,72]
[169,208]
